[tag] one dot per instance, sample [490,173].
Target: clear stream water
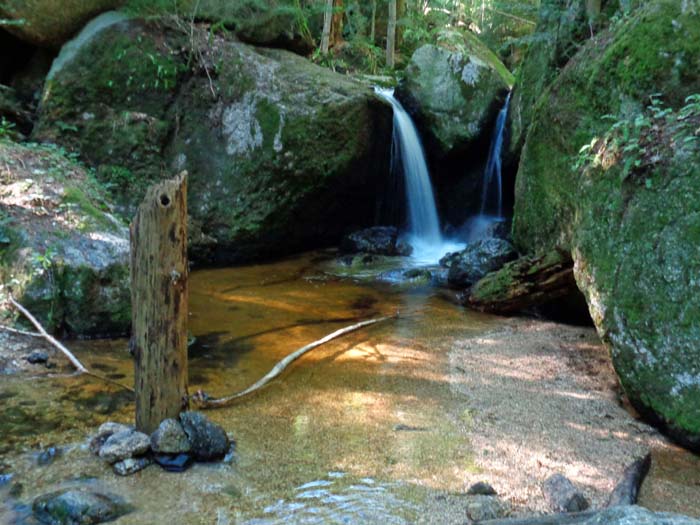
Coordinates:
[325,443]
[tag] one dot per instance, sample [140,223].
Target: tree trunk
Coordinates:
[159,303]
[400,14]
[391,34]
[337,23]
[327,20]
[373,23]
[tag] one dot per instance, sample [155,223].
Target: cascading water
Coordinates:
[493,182]
[491,211]
[424,226]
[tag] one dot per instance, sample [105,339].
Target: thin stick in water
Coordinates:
[202,401]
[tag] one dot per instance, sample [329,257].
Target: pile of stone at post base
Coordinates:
[175,445]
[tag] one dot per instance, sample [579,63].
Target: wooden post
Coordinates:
[159,303]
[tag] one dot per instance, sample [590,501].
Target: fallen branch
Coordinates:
[74,360]
[202,400]
[626,492]
[19,332]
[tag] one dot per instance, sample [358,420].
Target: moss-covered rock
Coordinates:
[562,28]
[282,155]
[50,23]
[270,23]
[614,178]
[524,283]
[62,253]
[454,93]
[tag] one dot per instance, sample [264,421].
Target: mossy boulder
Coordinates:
[50,23]
[562,28]
[270,23]
[611,174]
[282,155]
[454,93]
[62,253]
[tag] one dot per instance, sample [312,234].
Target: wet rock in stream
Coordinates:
[209,441]
[170,438]
[48,456]
[378,240]
[78,507]
[104,432]
[476,260]
[130,466]
[38,357]
[125,444]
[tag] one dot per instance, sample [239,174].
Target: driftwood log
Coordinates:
[159,273]
[524,283]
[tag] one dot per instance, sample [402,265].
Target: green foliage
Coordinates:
[640,141]
[5,230]
[6,128]
[45,266]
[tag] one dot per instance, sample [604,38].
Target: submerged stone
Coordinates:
[48,456]
[129,466]
[174,462]
[78,507]
[38,357]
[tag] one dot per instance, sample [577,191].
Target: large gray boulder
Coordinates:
[454,93]
[62,253]
[282,155]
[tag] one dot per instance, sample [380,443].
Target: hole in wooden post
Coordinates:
[165,200]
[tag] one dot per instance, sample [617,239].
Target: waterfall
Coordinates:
[493,182]
[407,152]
